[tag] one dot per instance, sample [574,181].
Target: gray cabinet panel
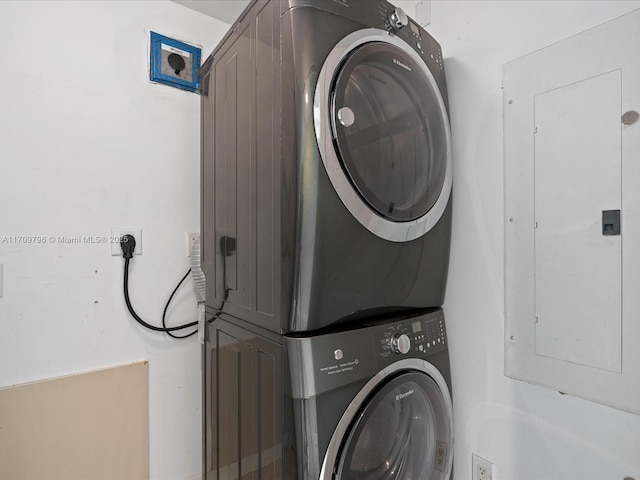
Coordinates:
[241,161]
[247,433]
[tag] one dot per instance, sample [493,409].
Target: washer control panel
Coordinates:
[359,352]
[401,343]
[419,336]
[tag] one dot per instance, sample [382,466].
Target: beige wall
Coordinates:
[89,426]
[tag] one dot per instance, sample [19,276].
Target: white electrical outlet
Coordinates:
[116,233]
[191,239]
[423,13]
[481,469]
[1,275]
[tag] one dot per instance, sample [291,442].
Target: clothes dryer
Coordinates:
[326,165]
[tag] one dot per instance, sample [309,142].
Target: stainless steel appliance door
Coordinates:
[383,134]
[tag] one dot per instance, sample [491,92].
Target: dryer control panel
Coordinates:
[384,16]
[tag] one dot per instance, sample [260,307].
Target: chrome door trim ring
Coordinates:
[376,224]
[415,364]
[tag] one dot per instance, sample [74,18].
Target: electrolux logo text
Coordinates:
[400,396]
[400,64]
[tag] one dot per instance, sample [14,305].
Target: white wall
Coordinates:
[529,432]
[88,143]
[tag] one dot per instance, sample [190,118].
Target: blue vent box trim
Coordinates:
[174,63]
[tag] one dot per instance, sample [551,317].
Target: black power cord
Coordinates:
[128,245]
[166,307]
[228,248]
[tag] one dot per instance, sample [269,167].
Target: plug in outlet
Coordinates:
[191,239]
[481,469]
[117,233]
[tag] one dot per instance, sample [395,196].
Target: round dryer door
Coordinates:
[400,427]
[383,134]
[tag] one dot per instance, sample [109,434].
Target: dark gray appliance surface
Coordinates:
[264,184]
[272,402]
[323,387]
[248,429]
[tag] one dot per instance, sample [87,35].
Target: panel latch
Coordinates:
[611,222]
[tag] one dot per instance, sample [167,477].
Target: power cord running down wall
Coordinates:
[128,245]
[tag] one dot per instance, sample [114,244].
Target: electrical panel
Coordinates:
[572,215]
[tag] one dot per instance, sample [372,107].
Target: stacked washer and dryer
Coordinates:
[326,222]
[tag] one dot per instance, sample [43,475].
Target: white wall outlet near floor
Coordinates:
[481,469]
[116,233]
[191,239]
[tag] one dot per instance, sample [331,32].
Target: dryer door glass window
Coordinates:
[401,433]
[388,131]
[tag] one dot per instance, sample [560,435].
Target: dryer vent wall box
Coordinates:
[173,62]
[570,287]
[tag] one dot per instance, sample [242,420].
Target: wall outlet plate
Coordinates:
[423,13]
[173,62]
[481,469]
[118,232]
[191,239]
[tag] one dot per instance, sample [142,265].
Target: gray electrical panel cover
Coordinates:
[572,215]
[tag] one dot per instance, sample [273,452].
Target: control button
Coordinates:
[421,348]
[401,343]
[338,354]
[419,45]
[398,19]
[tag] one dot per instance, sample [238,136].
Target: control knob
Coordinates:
[400,343]
[398,18]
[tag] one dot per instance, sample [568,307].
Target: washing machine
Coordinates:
[372,402]
[326,165]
